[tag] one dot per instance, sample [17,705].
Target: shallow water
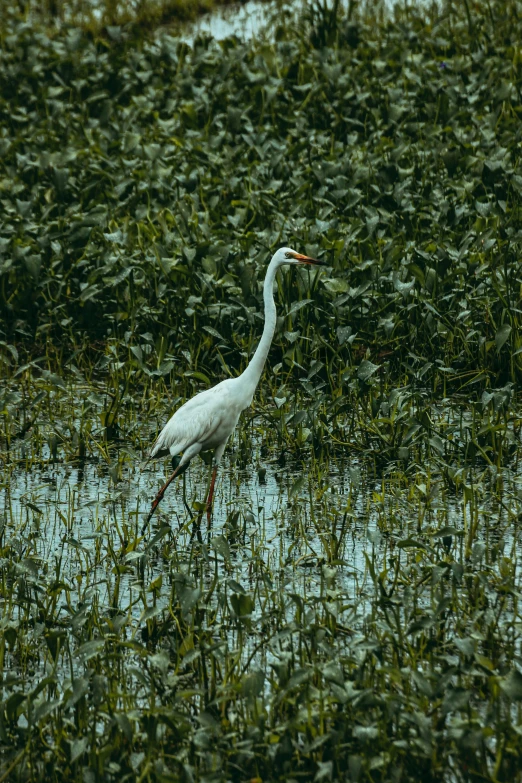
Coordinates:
[255,17]
[284,517]
[317,532]
[312,561]
[66,504]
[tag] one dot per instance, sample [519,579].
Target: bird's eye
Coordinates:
[288,255]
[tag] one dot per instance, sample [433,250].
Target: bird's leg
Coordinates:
[211,495]
[190,511]
[157,500]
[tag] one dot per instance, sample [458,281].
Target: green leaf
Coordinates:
[512,685]
[188,598]
[236,587]
[502,336]
[299,305]
[89,649]
[124,725]
[298,485]
[366,369]
[242,604]
[130,141]
[252,685]
[221,547]
[78,748]
[336,286]
[365,733]
[405,543]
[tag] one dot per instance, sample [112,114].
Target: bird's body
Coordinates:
[206,421]
[203,423]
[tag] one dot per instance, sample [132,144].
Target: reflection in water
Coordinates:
[291,526]
[282,520]
[276,512]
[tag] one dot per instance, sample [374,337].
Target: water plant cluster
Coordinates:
[352,613]
[95,16]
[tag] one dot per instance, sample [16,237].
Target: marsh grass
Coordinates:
[352,613]
[337,616]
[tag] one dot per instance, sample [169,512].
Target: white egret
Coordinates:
[206,421]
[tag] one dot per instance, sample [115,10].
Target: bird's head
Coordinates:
[285,255]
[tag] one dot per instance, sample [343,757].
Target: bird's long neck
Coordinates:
[253,372]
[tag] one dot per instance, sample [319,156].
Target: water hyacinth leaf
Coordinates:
[89,649]
[365,733]
[209,265]
[292,336]
[199,376]
[512,685]
[324,771]
[448,530]
[236,587]
[483,209]
[33,265]
[298,485]
[165,368]
[343,333]
[315,367]
[116,236]
[333,673]
[355,476]
[130,141]
[502,336]
[46,708]
[188,598]
[366,369]
[410,542]
[299,306]
[336,286]
[299,677]
[242,604]
[402,288]
[437,444]
[80,687]
[213,332]
[124,725]
[78,748]
[252,685]
[149,613]
[160,661]
[221,547]
[422,684]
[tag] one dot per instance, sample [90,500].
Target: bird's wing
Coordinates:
[194,422]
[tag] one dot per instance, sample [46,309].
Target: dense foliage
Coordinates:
[145,183]
[365,625]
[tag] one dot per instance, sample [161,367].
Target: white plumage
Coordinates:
[206,421]
[203,423]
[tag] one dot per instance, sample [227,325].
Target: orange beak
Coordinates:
[307,260]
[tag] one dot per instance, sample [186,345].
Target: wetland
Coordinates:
[351,613]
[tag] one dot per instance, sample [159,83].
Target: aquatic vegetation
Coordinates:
[353,612]
[96,16]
